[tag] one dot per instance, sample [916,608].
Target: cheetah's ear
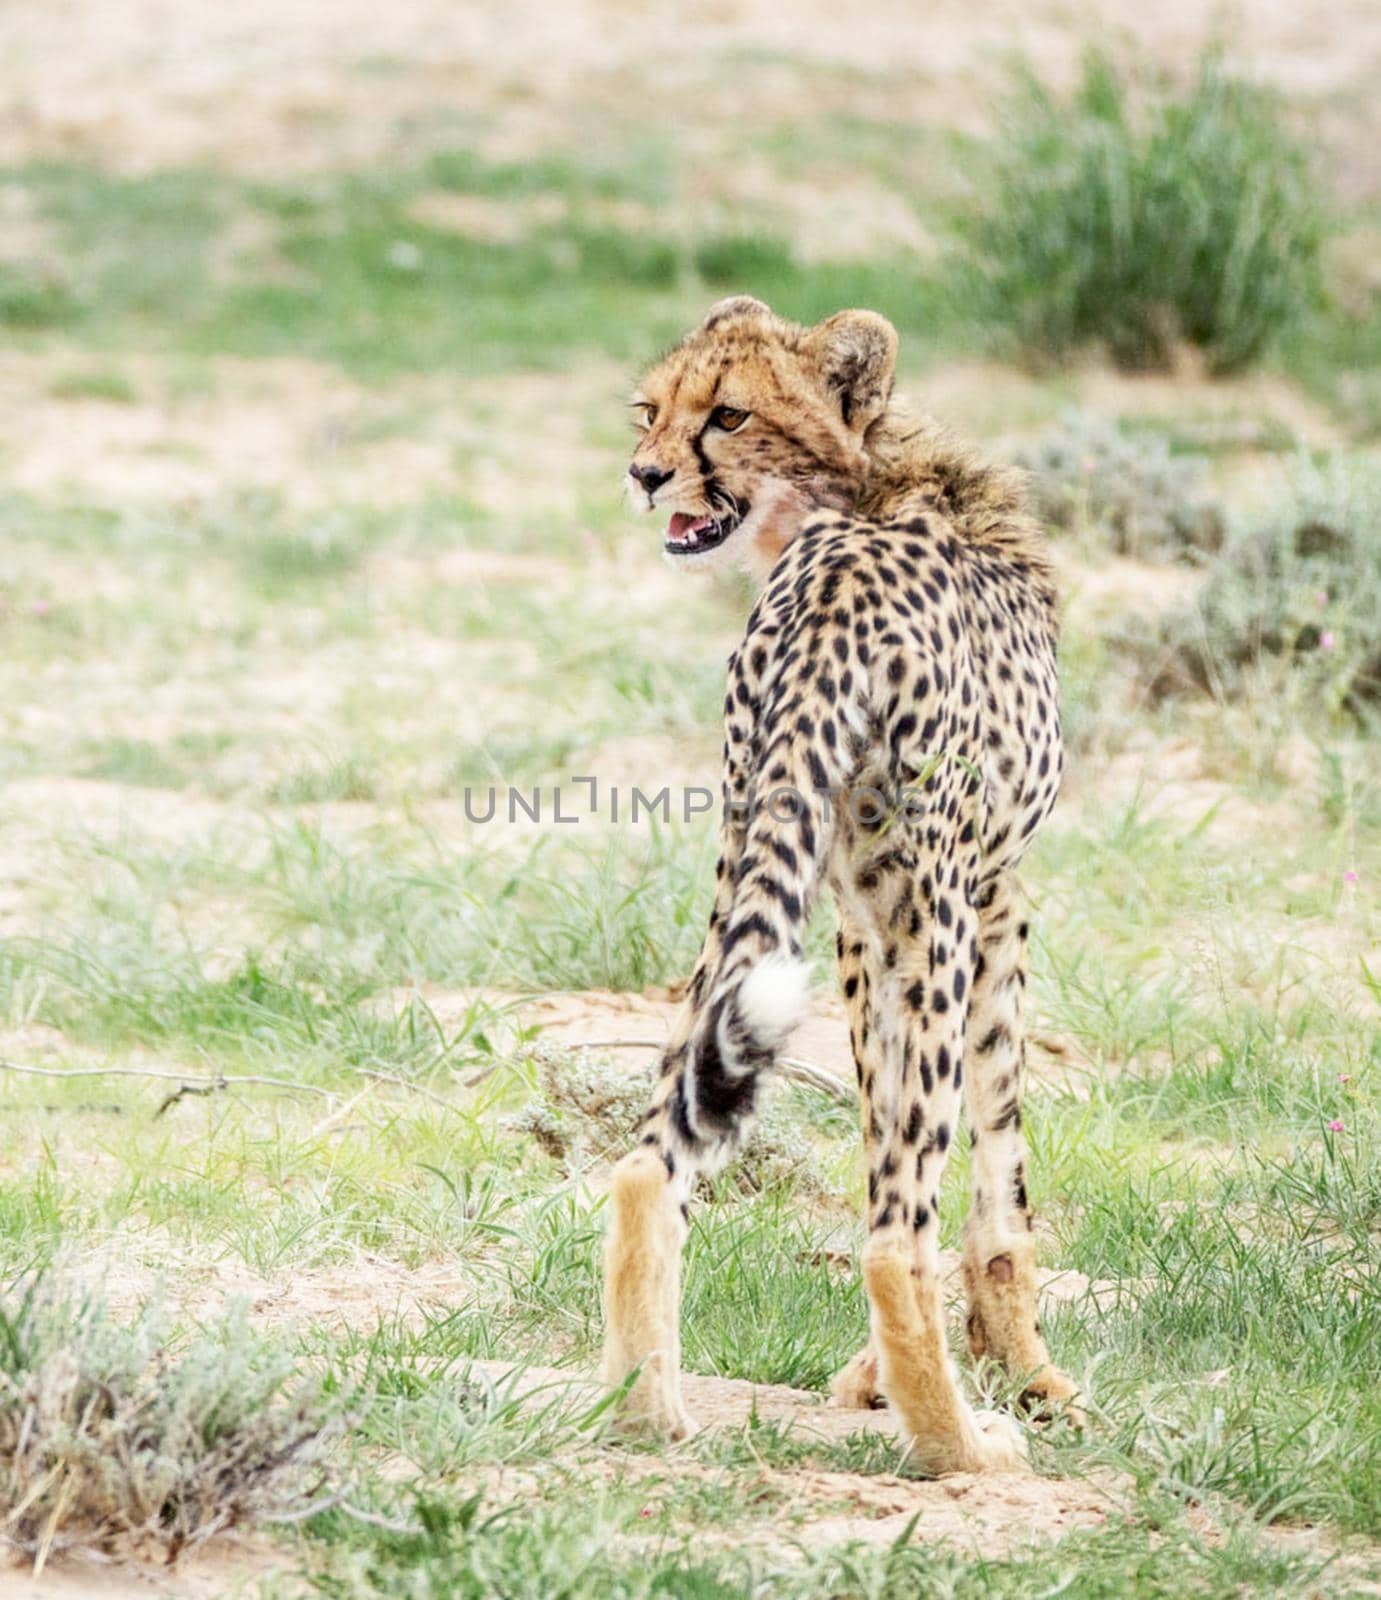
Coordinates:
[855,353]
[737,305]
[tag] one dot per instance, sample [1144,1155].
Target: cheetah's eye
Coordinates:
[729,418]
[644,413]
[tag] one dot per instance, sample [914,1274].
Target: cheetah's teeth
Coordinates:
[691,535]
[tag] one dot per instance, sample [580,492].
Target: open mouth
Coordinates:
[693,536]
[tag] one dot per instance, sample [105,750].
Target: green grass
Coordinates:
[472,1551]
[353,277]
[1105,220]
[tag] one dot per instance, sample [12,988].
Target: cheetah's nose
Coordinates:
[651,478]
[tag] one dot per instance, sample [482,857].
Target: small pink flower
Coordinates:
[1335,1126]
[1344,1077]
[1087,465]
[1349,876]
[40,608]
[1326,641]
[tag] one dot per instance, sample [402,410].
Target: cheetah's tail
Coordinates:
[764,1008]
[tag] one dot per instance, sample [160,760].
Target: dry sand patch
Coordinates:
[995,1512]
[987,399]
[303,432]
[358,1294]
[299,430]
[227,1567]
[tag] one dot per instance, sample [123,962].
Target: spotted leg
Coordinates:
[999,1261]
[909,1122]
[855,1385]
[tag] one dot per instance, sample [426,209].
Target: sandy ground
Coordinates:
[231,1567]
[992,1512]
[299,430]
[268,87]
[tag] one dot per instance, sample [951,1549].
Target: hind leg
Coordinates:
[855,1385]
[910,1119]
[999,1253]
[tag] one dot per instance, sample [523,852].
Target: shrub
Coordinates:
[731,260]
[1133,221]
[1296,592]
[109,1441]
[590,1109]
[1128,488]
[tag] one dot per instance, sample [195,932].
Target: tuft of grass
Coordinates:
[110,1441]
[278,561]
[350,777]
[1134,216]
[34,298]
[589,1109]
[133,761]
[726,260]
[94,383]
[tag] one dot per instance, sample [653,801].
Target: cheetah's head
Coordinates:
[752,422]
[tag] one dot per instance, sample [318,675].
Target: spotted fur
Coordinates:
[891,730]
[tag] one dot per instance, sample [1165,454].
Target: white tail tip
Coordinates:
[773,998]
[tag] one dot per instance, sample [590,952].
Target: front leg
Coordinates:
[999,1252]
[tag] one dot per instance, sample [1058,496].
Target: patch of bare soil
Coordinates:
[1217,410]
[1096,593]
[302,432]
[995,1512]
[357,1294]
[834,214]
[1172,781]
[227,1567]
[496,221]
[297,430]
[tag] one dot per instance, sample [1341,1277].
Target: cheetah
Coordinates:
[891,730]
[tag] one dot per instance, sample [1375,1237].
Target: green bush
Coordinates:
[1129,489]
[1133,220]
[1295,594]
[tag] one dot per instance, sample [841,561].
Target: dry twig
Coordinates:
[189,1084]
